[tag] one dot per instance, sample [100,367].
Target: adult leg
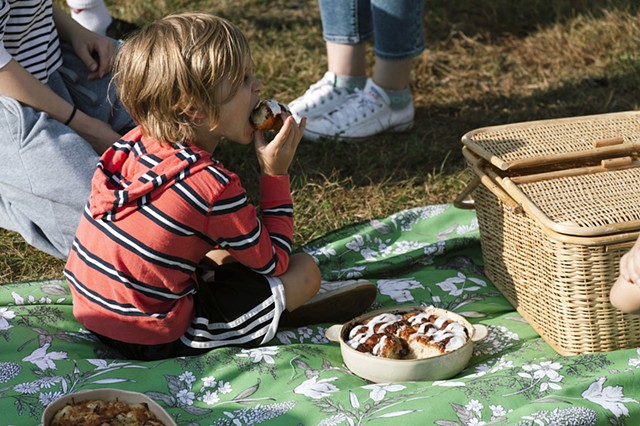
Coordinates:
[392,74]
[347,59]
[95,97]
[398,38]
[385,103]
[45,175]
[45,167]
[346,25]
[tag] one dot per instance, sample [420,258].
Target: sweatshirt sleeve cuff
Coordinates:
[275,190]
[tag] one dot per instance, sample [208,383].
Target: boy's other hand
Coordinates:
[276,156]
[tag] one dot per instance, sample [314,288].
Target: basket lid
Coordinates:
[538,143]
[583,203]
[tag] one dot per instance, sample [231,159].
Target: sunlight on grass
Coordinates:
[492,62]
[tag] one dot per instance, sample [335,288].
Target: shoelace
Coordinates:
[318,91]
[356,107]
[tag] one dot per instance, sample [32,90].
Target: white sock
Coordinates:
[93,15]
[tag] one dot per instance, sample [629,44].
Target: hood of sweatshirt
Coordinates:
[136,169]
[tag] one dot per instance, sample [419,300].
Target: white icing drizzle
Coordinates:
[439,322]
[430,331]
[377,349]
[457,341]
[273,106]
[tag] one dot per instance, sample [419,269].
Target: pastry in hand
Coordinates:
[267,115]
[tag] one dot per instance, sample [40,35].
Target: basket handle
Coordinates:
[490,181]
[461,202]
[619,140]
[624,245]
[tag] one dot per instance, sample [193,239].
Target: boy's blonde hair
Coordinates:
[182,63]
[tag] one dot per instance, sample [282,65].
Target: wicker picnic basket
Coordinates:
[558,204]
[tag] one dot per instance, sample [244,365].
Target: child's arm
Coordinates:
[625,294]
[263,245]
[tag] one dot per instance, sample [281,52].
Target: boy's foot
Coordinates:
[119,29]
[320,98]
[336,302]
[365,113]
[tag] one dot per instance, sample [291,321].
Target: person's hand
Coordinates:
[625,292]
[99,134]
[276,156]
[630,264]
[96,52]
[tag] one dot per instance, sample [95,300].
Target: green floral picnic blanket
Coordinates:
[423,256]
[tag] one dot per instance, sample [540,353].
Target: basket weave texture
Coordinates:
[589,201]
[548,138]
[559,282]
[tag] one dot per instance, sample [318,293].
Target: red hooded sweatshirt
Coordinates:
[155,210]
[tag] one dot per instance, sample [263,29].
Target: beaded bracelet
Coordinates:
[73,114]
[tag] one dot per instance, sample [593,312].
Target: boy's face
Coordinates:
[234,121]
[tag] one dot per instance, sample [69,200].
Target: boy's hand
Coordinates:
[276,156]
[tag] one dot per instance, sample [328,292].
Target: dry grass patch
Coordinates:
[487,62]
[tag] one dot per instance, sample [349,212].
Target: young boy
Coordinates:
[161,204]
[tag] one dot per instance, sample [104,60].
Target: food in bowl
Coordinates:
[408,335]
[95,412]
[380,369]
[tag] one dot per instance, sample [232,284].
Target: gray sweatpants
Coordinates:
[45,167]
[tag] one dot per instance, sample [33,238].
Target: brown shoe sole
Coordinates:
[336,307]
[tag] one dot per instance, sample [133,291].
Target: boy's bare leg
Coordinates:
[301,281]
[218,257]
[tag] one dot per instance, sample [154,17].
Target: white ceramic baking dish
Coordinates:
[386,370]
[106,395]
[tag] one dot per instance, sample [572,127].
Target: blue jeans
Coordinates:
[46,167]
[395,25]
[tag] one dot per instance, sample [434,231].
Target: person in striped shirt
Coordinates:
[55,120]
[171,258]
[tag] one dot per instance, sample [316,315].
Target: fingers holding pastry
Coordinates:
[269,115]
[276,156]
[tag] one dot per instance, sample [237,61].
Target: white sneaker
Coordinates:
[365,113]
[320,98]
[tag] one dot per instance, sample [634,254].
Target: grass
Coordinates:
[487,62]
